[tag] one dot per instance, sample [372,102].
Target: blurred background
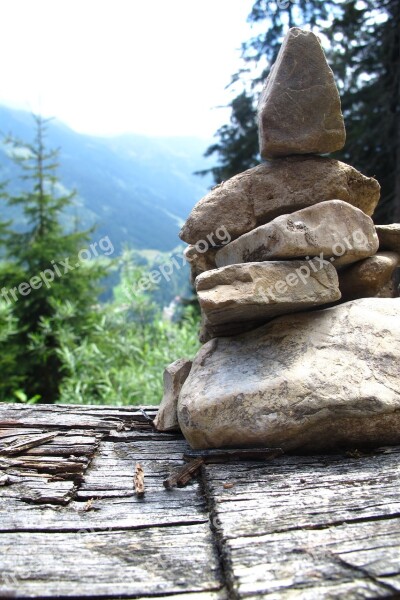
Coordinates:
[115,119]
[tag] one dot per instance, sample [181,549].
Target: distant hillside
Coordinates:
[138,190]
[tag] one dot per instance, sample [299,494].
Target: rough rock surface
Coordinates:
[334,228]
[369,277]
[307,381]
[269,190]
[175,376]
[200,262]
[299,109]
[389,237]
[237,297]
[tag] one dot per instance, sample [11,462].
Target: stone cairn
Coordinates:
[267,249]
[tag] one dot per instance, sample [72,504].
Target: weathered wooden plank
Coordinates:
[111,474]
[65,442]
[101,418]
[300,526]
[158,457]
[304,492]
[144,562]
[177,522]
[109,483]
[32,489]
[161,446]
[309,527]
[319,560]
[49,473]
[357,589]
[7,433]
[101,516]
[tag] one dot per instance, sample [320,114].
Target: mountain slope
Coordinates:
[137,190]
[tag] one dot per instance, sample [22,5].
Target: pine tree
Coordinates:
[48,267]
[366,62]
[4,225]
[10,378]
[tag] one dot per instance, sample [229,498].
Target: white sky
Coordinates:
[112,66]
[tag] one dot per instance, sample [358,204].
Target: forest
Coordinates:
[61,340]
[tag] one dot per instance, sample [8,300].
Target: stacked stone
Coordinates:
[298,235]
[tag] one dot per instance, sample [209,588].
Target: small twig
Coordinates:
[138,480]
[30,442]
[184,475]
[234,454]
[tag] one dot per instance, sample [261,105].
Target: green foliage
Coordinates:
[4,225]
[60,344]
[122,358]
[175,284]
[41,249]
[20,396]
[10,379]
[365,57]
[366,60]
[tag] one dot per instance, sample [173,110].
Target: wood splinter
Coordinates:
[138,480]
[184,475]
[28,442]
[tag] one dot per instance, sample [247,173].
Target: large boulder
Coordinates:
[309,381]
[299,108]
[333,228]
[238,297]
[269,190]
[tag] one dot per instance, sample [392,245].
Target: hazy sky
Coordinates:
[157,67]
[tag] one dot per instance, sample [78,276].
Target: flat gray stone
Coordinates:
[310,381]
[238,297]
[175,376]
[269,190]
[334,228]
[299,109]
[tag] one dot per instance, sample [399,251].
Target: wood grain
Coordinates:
[311,527]
[71,525]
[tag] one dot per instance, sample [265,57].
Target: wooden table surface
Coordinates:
[295,527]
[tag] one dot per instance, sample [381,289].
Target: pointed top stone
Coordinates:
[299,110]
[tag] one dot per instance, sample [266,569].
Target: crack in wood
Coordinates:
[367,574]
[326,526]
[223,554]
[321,527]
